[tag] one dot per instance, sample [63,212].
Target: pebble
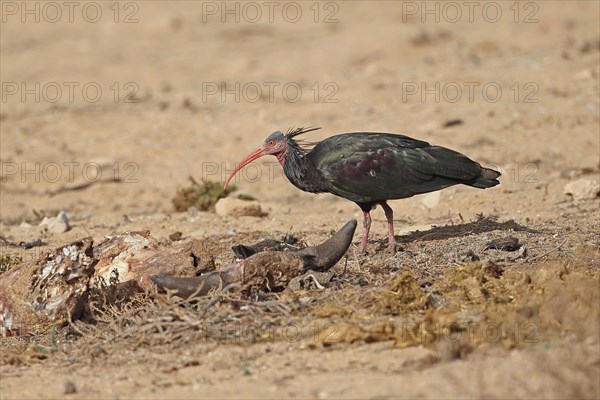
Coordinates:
[232,207]
[175,236]
[58,224]
[70,387]
[582,189]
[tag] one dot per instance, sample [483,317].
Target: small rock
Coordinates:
[452,122]
[175,236]
[30,245]
[522,252]
[509,243]
[471,256]
[233,207]
[70,387]
[58,224]
[582,189]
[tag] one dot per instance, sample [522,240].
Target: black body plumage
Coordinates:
[370,167]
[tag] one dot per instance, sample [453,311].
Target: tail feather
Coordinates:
[487,179]
[458,167]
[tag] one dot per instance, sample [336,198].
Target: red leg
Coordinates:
[389,215]
[365,237]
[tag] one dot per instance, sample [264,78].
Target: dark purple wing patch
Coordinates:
[368,164]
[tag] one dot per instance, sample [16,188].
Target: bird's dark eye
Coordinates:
[271,143]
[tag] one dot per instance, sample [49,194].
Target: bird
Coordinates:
[369,168]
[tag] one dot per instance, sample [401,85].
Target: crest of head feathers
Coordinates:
[293,132]
[303,146]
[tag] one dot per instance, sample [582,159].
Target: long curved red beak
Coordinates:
[259,152]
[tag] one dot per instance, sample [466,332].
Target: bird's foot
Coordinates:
[392,247]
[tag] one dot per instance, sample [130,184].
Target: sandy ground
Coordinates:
[154,92]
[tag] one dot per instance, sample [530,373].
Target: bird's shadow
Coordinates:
[483,224]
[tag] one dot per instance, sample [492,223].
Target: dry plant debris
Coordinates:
[203,195]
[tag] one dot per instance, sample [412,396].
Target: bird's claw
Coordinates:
[392,247]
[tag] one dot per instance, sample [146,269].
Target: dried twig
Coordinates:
[548,252]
